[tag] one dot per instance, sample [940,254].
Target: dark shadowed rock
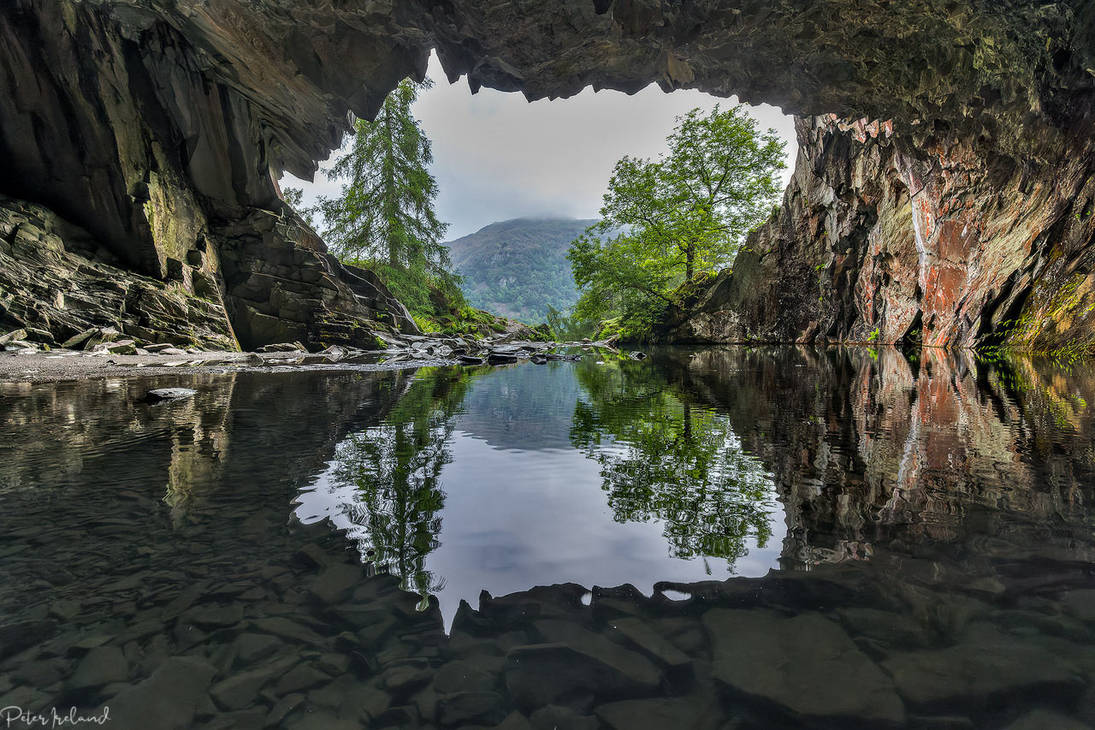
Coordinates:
[805,665]
[985,665]
[167,700]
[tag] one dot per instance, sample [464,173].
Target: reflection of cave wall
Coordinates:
[871,454]
[240,428]
[156,126]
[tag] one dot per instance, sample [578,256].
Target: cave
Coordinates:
[944,180]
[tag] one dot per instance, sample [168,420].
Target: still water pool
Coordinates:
[720,538]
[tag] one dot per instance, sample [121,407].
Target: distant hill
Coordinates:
[516,268]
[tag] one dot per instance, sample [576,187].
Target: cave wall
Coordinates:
[881,242]
[160,127]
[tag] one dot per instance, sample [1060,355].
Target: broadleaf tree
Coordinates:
[384,217]
[686,212]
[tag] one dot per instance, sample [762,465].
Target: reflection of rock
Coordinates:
[905,452]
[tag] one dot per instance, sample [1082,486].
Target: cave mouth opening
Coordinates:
[500,159]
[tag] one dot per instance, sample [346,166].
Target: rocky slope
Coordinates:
[517,268]
[159,127]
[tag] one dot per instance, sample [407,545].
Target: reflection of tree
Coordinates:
[662,458]
[395,470]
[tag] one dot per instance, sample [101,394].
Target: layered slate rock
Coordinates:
[60,286]
[158,125]
[806,666]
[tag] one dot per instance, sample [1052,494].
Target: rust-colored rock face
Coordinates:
[154,124]
[878,241]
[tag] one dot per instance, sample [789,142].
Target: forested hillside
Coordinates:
[517,268]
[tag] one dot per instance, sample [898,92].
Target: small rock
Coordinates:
[554,717]
[102,665]
[300,677]
[283,707]
[1046,720]
[14,335]
[78,340]
[168,700]
[282,347]
[459,708]
[163,394]
[214,616]
[159,347]
[334,582]
[251,647]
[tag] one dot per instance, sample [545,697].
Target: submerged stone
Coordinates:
[806,665]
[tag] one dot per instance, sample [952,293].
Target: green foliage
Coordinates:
[384,218]
[563,327]
[688,211]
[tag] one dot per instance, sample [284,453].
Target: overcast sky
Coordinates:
[496,156]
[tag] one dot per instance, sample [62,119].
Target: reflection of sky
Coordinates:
[517,517]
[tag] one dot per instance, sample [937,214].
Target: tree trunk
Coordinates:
[689,258]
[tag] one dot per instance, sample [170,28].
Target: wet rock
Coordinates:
[321,721]
[554,717]
[282,708]
[332,585]
[539,674]
[470,360]
[680,713]
[465,676]
[462,707]
[214,616]
[1080,604]
[514,721]
[501,358]
[644,637]
[1042,719]
[102,665]
[402,679]
[282,347]
[15,637]
[301,677]
[987,664]
[805,665]
[287,629]
[251,648]
[158,395]
[242,689]
[167,700]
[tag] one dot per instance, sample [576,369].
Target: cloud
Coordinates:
[497,156]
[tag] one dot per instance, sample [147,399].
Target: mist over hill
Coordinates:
[517,268]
